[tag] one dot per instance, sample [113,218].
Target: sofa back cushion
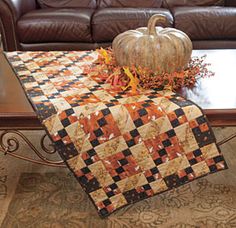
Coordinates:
[230,3]
[67,3]
[174,3]
[130,3]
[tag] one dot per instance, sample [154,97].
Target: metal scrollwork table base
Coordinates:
[11,140]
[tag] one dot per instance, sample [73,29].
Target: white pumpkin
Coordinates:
[163,50]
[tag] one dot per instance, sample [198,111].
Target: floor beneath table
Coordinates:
[31,193]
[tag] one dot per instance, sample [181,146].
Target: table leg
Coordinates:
[9,145]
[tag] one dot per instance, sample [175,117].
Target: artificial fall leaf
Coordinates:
[133,81]
[105,55]
[168,87]
[138,78]
[115,79]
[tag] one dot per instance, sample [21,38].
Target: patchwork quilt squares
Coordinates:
[122,147]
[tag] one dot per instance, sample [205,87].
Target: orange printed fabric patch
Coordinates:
[122,146]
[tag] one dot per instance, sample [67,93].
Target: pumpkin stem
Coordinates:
[157,18]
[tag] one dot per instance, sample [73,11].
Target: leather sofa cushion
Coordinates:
[107,23]
[130,3]
[55,25]
[206,23]
[174,3]
[230,3]
[67,3]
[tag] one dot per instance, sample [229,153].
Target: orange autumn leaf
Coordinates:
[105,55]
[115,79]
[133,81]
[138,78]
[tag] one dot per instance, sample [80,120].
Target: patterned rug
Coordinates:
[3,187]
[56,200]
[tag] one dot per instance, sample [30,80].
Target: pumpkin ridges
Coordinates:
[117,48]
[145,53]
[179,49]
[154,48]
[186,46]
[183,47]
[167,59]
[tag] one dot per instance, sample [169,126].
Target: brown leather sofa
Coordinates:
[88,24]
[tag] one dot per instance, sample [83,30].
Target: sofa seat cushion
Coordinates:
[206,23]
[57,25]
[107,23]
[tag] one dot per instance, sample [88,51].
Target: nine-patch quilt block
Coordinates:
[122,147]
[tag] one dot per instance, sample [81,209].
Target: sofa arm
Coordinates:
[10,11]
[19,7]
[7,28]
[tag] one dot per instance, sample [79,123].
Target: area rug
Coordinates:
[56,200]
[3,187]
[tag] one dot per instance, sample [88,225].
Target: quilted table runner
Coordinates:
[122,147]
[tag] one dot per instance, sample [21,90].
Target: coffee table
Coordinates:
[216,95]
